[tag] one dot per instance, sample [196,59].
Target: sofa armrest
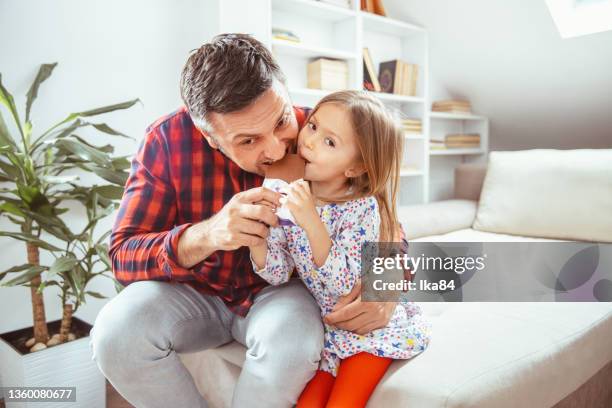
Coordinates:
[437,218]
[469,178]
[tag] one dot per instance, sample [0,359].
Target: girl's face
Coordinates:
[328,145]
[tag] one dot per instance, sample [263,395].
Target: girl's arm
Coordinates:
[272,261]
[341,268]
[337,261]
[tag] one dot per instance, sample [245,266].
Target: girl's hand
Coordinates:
[300,202]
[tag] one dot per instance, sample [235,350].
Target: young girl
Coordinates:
[353,151]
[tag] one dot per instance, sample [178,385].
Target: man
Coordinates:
[192,205]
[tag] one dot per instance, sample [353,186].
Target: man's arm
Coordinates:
[351,314]
[144,240]
[146,244]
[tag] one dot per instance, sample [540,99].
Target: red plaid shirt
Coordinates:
[178,180]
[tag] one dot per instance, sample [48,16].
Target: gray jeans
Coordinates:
[137,335]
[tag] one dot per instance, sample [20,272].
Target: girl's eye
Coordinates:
[312,126]
[331,142]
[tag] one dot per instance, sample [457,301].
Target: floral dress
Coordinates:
[349,224]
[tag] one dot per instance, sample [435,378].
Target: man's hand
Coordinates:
[351,314]
[243,221]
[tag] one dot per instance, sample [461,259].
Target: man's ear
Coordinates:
[211,141]
[355,171]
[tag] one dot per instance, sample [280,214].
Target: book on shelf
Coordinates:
[339,3]
[374,6]
[454,141]
[412,126]
[398,77]
[462,145]
[370,79]
[452,106]
[437,145]
[463,138]
[286,35]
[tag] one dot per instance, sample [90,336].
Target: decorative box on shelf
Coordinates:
[327,74]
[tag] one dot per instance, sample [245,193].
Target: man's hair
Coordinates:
[226,75]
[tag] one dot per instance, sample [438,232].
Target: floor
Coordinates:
[113,399]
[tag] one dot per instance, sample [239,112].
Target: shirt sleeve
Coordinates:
[279,262]
[144,239]
[342,268]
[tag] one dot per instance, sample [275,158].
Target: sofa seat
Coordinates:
[481,354]
[472,235]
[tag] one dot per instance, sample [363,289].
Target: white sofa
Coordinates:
[481,354]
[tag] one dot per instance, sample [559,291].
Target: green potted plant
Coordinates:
[39,175]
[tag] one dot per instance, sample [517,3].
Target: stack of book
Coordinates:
[412,126]
[339,3]
[398,77]
[282,34]
[330,75]
[456,141]
[452,106]
[461,140]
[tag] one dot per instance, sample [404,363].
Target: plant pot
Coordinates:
[65,365]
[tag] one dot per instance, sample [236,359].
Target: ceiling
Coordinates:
[507,58]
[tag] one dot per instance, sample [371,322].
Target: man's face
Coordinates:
[257,135]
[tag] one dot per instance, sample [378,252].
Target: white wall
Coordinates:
[108,51]
[538,90]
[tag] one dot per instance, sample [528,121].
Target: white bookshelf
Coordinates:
[330,31]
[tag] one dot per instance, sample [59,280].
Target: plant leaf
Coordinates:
[11,208]
[104,236]
[44,72]
[15,269]
[102,251]
[27,276]
[122,163]
[31,239]
[6,140]
[7,100]
[59,179]
[84,152]
[53,225]
[106,148]
[95,294]
[103,127]
[112,192]
[10,170]
[117,177]
[62,264]
[92,112]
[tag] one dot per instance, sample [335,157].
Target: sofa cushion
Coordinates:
[481,355]
[564,194]
[436,218]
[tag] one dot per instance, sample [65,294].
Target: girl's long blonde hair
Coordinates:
[381,142]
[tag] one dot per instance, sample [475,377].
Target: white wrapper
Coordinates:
[280,186]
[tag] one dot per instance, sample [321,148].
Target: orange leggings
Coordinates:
[357,378]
